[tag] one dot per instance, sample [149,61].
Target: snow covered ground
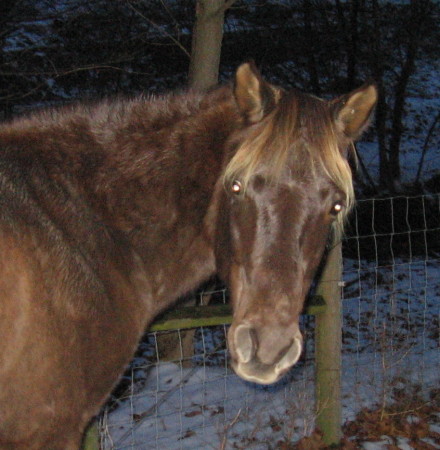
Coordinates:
[211,408]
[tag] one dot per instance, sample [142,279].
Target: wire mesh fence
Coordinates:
[198,402]
[176,398]
[391,297]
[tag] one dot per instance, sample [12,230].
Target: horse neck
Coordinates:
[158,183]
[172,147]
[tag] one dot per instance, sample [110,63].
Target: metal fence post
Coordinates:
[328,342]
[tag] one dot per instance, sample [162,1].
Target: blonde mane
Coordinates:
[300,135]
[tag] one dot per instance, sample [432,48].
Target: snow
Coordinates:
[210,405]
[205,407]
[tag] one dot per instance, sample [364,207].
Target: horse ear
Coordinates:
[354,110]
[254,96]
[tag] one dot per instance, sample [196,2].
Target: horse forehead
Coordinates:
[304,187]
[288,204]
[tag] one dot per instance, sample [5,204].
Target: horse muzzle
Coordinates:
[265,355]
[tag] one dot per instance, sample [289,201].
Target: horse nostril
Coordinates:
[245,343]
[291,356]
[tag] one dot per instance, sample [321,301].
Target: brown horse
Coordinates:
[110,212]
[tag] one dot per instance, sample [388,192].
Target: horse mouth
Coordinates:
[252,369]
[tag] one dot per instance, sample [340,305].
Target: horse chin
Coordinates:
[257,372]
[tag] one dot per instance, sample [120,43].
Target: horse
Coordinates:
[110,211]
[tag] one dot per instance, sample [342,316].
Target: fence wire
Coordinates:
[391,299]
[180,393]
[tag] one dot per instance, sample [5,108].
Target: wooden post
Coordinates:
[328,350]
[91,438]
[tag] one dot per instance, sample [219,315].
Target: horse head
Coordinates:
[286,184]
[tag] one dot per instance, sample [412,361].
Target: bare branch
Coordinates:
[158,27]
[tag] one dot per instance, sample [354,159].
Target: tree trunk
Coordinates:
[418,15]
[352,44]
[7,8]
[311,60]
[206,43]
[425,147]
[381,130]
[381,107]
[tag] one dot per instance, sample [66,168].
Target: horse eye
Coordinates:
[236,187]
[336,208]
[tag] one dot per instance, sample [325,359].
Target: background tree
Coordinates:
[393,56]
[207,42]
